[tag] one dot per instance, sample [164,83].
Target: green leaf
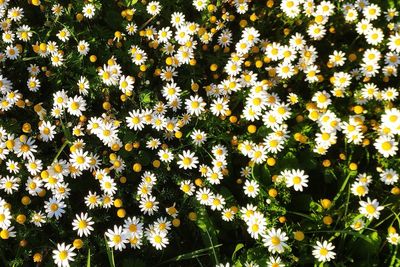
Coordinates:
[226,193]
[237,248]
[289,161]
[262,174]
[145,97]
[130,3]
[208,232]
[190,255]
[110,253]
[88,259]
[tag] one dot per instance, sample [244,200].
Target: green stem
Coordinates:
[384,220]
[67,134]
[300,214]
[213,248]
[60,150]
[341,189]
[394,257]
[147,22]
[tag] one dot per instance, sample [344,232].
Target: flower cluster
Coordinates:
[129,125]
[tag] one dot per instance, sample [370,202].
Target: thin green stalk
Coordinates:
[394,257]
[67,134]
[213,248]
[147,22]
[60,150]
[384,220]
[300,214]
[110,253]
[88,259]
[341,189]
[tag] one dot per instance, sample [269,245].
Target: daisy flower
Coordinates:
[298,179]
[57,59]
[359,189]
[83,224]
[198,137]
[76,105]
[195,105]
[54,208]
[148,205]
[83,47]
[217,202]
[200,5]
[38,218]
[47,131]
[89,11]
[135,120]
[275,240]
[256,225]
[187,160]
[131,28]
[370,209]
[275,262]
[187,187]
[357,225]
[12,52]
[219,106]
[63,35]
[374,36]
[126,84]
[323,251]
[63,255]
[386,146]
[158,239]
[15,14]
[80,159]
[393,238]
[108,185]
[12,166]
[133,227]
[204,196]
[116,238]
[33,84]
[389,176]
[153,8]
[5,217]
[371,12]
[92,200]
[165,155]
[394,42]
[251,188]
[227,215]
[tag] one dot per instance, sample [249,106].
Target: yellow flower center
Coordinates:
[386,145]
[74,105]
[323,251]
[24,148]
[80,159]
[82,224]
[54,207]
[148,205]
[117,239]
[360,190]
[275,240]
[187,161]
[132,228]
[370,208]
[63,255]
[157,239]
